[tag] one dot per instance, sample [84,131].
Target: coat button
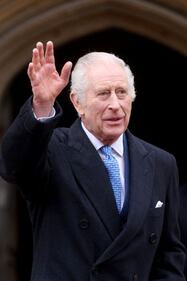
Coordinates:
[95,270]
[153,238]
[83,223]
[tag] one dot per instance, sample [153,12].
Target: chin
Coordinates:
[115,133]
[110,138]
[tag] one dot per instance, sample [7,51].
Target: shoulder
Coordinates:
[60,134]
[149,149]
[71,135]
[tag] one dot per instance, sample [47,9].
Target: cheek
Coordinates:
[96,110]
[93,115]
[128,105]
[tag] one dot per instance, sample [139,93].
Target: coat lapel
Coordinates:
[140,190]
[90,173]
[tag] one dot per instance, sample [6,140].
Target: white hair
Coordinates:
[79,77]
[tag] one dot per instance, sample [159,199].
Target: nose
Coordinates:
[113,102]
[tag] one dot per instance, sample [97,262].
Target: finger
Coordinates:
[35,59]
[66,72]
[49,53]
[40,48]
[30,71]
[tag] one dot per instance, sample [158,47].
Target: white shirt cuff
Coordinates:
[43,118]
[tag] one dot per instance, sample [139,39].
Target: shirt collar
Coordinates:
[117,146]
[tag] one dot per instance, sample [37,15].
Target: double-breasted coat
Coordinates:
[78,234]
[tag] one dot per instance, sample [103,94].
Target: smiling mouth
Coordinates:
[114,120]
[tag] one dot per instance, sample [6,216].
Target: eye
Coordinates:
[103,94]
[121,92]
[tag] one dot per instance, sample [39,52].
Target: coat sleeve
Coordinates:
[24,148]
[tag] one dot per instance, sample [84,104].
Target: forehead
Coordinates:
[106,74]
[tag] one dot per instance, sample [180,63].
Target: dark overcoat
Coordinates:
[78,234]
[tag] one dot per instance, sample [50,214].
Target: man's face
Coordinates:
[106,106]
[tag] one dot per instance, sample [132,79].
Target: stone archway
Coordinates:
[62,21]
[25,22]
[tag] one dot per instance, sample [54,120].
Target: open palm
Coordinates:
[46,82]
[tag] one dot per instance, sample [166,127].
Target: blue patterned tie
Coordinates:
[113,172]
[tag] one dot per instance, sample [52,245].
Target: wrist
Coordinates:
[42,109]
[45,118]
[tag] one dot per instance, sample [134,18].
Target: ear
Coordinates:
[77,104]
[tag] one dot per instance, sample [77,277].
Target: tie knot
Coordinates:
[106,150]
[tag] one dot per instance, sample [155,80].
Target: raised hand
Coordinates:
[46,82]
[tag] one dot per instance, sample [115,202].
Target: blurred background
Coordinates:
[151,36]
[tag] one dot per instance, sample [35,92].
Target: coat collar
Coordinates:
[92,176]
[117,145]
[89,172]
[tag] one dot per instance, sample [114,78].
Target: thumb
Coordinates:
[66,72]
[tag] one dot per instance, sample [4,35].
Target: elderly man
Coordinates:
[103,203]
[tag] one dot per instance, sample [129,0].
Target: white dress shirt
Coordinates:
[117,152]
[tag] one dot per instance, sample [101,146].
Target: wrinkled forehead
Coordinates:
[106,72]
